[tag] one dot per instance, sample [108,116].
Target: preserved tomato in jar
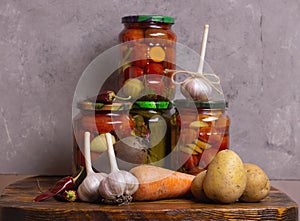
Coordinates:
[98,119]
[149,49]
[201,136]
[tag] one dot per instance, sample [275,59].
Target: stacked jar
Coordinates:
[98,119]
[200,136]
[151,120]
[148,49]
[186,141]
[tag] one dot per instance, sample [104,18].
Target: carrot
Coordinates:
[160,183]
[157,54]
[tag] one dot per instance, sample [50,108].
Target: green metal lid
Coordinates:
[218,104]
[87,105]
[148,18]
[152,105]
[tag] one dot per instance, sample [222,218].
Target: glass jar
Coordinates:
[150,49]
[201,136]
[98,118]
[151,120]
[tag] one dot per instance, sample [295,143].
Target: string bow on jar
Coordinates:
[197,86]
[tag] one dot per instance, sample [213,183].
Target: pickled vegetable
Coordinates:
[98,120]
[157,54]
[151,123]
[155,85]
[153,51]
[132,34]
[155,68]
[139,55]
[133,87]
[199,139]
[133,72]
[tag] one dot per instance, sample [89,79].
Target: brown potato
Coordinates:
[197,187]
[225,180]
[258,184]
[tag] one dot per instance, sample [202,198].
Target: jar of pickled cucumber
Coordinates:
[148,49]
[203,133]
[98,119]
[151,120]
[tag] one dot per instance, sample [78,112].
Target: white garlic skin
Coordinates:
[88,189]
[196,88]
[118,183]
[132,183]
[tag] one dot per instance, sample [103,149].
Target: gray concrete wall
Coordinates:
[254,46]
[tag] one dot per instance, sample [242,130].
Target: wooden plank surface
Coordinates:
[16,203]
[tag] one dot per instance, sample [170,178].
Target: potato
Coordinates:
[258,184]
[225,180]
[197,187]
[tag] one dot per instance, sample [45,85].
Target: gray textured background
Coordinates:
[254,46]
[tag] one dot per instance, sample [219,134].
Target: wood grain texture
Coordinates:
[16,203]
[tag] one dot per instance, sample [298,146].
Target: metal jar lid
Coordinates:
[152,105]
[148,18]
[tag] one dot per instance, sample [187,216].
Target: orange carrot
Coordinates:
[160,183]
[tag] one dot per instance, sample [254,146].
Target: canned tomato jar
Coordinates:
[203,133]
[98,119]
[149,50]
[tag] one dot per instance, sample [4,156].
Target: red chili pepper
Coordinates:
[67,196]
[60,186]
[107,97]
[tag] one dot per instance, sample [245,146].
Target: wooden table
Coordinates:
[16,203]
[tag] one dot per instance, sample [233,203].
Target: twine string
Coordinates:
[204,76]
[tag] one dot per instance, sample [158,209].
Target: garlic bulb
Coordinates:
[88,189]
[119,186]
[196,88]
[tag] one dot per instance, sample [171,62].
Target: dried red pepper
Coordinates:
[107,97]
[60,186]
[67,196]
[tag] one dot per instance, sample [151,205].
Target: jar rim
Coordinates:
[148,18]
[216,104]
[152,105]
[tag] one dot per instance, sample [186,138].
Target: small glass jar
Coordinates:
[201,136]
[98,118]
[150,49]
[151,120]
